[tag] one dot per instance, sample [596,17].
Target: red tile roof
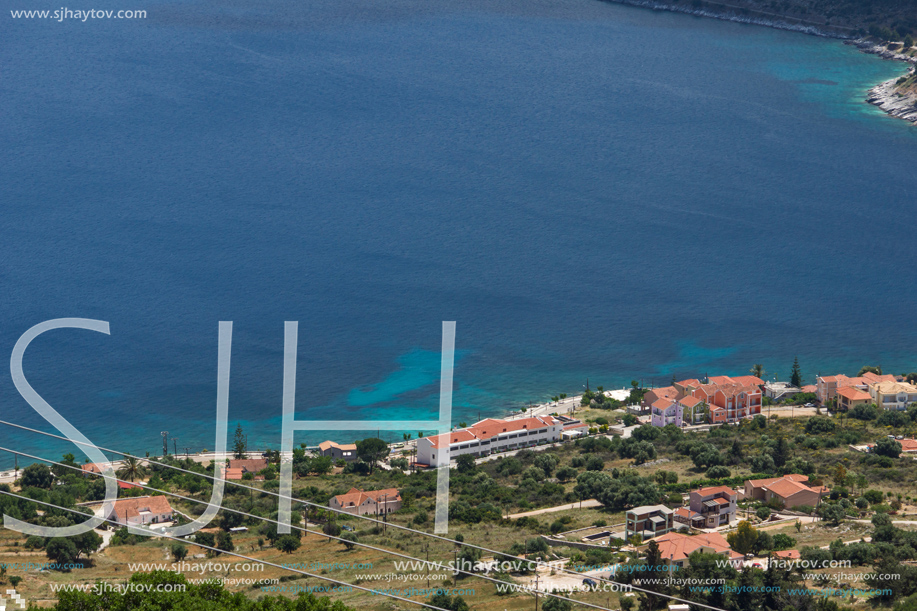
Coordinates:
[675,546]
[491,427]
[355,497]
[132,508]
[326,445]
[852,393]
[248,465]
[788,554]
[714,490]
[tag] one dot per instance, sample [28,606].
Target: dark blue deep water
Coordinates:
[587,189]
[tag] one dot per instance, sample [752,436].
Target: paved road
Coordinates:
[586,503]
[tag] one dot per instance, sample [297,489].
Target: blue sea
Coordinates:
[588,190]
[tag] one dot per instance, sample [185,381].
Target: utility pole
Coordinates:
[175,445]
[455,568]
[165,443]
[536,582]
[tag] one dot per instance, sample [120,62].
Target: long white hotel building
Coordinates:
[486,437]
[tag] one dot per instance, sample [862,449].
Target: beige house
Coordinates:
[374,502]
[141,510]
[791,490]
[849,397]
[338,451]
[893,395]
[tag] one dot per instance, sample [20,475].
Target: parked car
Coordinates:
[757,565]
[590,583]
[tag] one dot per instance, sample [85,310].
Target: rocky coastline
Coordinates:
[894,96]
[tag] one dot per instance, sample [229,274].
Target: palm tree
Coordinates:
[757,370]
[131,469]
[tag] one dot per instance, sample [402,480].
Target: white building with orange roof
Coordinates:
[360,502]
[676,548]
[488,436]
[141,510]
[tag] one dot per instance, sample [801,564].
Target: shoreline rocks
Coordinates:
[902,105]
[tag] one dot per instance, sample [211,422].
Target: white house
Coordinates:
[486,437]
[141,510]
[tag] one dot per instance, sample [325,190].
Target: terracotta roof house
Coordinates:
[675,548]
[654,394]
[92,468]
[827,387]
[908,446]
[141,510]
[693,519]
[717,505]
[375,502]
[728,399]
[240,466]
[787,555]
[849,397]
[792,490]
[893,395]
[338,451]
[681,412]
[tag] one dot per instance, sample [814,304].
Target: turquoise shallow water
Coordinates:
[589,190]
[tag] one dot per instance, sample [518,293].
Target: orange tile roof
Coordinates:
[874,378]
[789,485]
[796,477]
[355,497]
[714,490]
[788,554]
[233,474]
[92,467]
[326,445]
[809,388]
[491,427]
[852,393]
[689,401]
[748,381]
[664,391]
[663,403]
[691,382]
[675,546]
[131,508]
[248,465]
